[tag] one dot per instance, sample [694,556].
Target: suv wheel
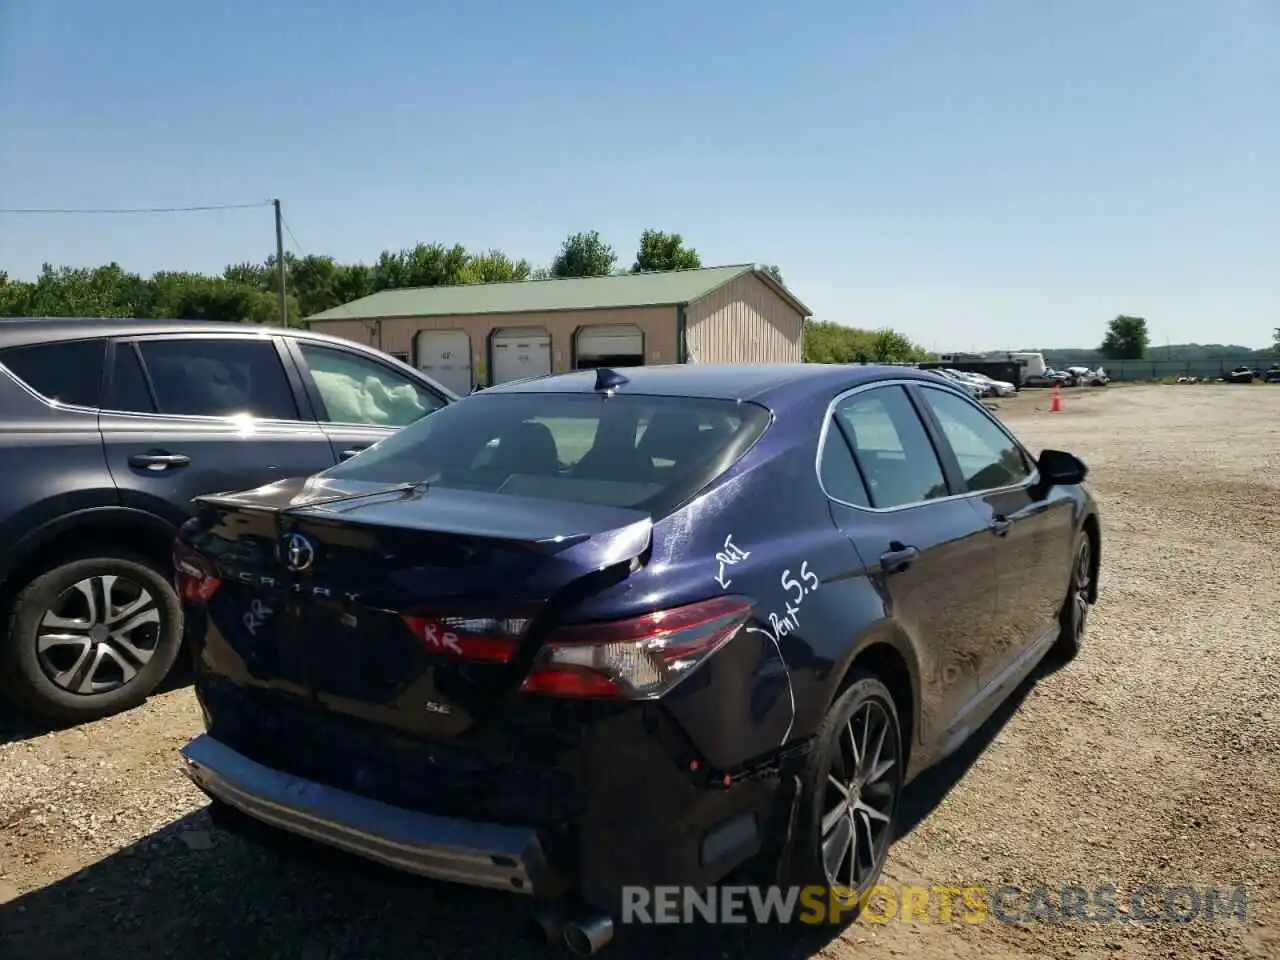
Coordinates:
[849,803]
[91,637]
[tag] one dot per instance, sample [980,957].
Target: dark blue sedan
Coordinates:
[610,629]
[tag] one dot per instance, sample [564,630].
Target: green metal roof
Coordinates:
[538,296]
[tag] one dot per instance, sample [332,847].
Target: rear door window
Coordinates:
[892,447]
[69,372]
[358,390]
[651,453]
[218,377]
[989,458]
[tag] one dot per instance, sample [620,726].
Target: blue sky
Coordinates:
[977,174]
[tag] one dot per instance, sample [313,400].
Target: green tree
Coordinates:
[889,346]
[1274,336]
[247,292]
[193,296]
[494,266]
[106,291]
[584,255]
[1126,339]
[660,251]
[827,342]
[774,272]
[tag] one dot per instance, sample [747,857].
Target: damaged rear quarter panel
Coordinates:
[763,531]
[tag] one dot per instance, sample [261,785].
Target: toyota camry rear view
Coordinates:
[596,630]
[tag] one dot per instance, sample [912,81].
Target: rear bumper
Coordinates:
[443,848]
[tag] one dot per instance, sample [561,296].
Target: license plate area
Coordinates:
[358,653]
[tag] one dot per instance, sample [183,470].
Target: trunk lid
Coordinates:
[370,587]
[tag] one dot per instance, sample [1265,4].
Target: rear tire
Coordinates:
[90,637]
[848,810]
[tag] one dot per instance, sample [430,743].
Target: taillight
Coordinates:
[637,659]
[486,639]
[194,576]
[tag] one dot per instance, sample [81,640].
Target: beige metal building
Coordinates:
[490,333]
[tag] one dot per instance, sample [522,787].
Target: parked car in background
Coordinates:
[954,377]
[564,636]
[1000,388]
[989,386]
[1063,378]
[1241,375]
[1097,377]
[1050,379]
[108,429]
[1271,374]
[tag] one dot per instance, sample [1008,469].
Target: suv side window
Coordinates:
[68,372]
[840,477]
[218,377]
[357,390]
[892,448]
[988,458]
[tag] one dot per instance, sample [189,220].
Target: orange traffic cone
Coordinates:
[1056,406]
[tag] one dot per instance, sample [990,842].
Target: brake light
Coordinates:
[637,659]
[485,639]
[194,576]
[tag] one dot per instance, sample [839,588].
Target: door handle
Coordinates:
[1000,526]
[350,452]
[897,558]
[159,461]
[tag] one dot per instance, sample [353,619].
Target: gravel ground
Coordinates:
[1154,758]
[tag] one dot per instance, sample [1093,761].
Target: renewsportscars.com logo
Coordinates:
[971,904]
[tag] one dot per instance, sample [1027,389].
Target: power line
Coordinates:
[301,253]
[289,230]
[75,211]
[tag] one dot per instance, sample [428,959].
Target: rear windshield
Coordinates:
[651,453]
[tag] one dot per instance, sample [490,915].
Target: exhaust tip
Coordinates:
[589,936]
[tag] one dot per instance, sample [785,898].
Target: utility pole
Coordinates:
[284,308]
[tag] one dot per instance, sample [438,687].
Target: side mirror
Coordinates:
[1061,469]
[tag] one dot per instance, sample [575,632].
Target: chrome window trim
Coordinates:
[373,426]
[915,504]
[231,420]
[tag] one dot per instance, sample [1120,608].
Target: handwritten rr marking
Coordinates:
[440,639]
[729,556]
[259,613]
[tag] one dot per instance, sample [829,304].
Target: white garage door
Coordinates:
[610,341]
[521,352]
[445,356]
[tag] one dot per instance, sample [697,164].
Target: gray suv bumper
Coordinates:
[479,854]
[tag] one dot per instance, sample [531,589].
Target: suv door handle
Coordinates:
[897,558]
[1000,526]
[159,460]
[350,452]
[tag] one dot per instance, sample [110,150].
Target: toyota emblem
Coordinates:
[298,552]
